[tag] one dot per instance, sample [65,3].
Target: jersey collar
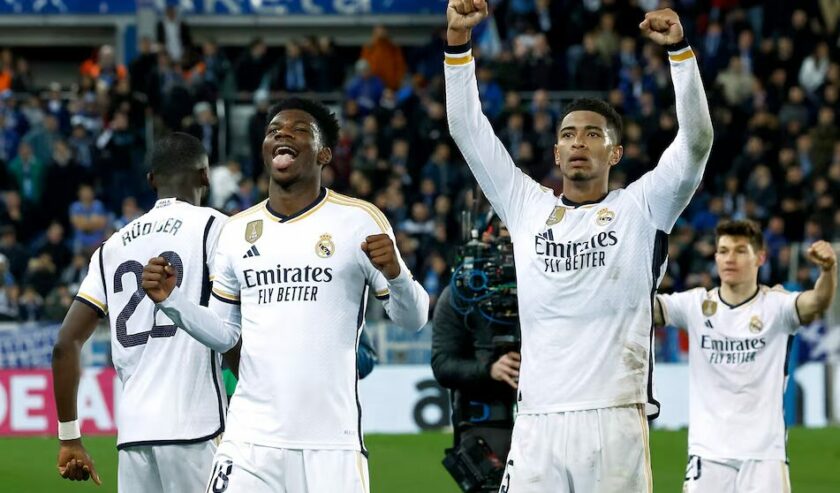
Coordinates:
[572,203]
[165,202]
[732,307]
[322,196]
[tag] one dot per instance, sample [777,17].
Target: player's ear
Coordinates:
[324,156]
[556,155]
[150,176]
[616,153]
[204,177]
[762,257]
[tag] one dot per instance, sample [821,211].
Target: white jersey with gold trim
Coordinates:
[172,390]
[586,273]
[301,283]
[737,370]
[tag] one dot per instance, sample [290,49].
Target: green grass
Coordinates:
[411,463]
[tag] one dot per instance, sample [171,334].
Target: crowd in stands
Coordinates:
[72,158]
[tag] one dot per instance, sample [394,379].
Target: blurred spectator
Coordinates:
[63,178]
[22,80]
[103,69]
[42,138]
[174,34]
[29,173]
[118,146]
[130,212]
[385,58]
[736,82]
[8,293]
[55,247]
[256,133]
[446,177]
[41,274]
[205,127]
[490,92]
[89,220]
[292,70]
[365,89]
[252,66]
[30,305]
[16,256]
[223,183]
[57,303]
[76,272]
[141,68]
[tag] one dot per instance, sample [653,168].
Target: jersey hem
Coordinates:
[706,454]
[295,445]
[583,406]
[186,441]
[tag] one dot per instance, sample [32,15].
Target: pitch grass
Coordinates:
[411,463]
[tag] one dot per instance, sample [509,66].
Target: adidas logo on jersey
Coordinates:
[252,252]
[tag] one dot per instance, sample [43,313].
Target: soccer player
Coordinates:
[292,276]
[739,335]
[172,402]
[588,264]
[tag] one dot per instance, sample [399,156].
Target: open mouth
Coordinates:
[284,150]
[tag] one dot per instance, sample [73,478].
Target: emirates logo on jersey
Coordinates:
[325,246]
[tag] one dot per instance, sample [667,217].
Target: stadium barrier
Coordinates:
[395,399]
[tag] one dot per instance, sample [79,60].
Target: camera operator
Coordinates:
[477,358]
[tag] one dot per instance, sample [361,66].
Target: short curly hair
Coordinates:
[326,119]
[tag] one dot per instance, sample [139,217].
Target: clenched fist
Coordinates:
[382,254]
[822,254]
[662,27]
[159,279]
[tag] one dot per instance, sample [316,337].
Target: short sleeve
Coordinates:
[92,290]
[226,286]
[675,309]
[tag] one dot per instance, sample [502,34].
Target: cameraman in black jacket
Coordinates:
[478,360]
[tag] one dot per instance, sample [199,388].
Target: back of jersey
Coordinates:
[171,383]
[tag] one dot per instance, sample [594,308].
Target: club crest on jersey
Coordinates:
[709,307]
[756,324]
[556,216]
[325,246]
[604,217]
[253,231]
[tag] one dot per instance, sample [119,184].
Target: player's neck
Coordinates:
[290,199]
[586,191]
[735,294]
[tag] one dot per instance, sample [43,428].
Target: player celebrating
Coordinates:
[292,276]
[588,264]
[172,404]
[739,336]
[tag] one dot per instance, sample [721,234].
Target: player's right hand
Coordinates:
[74,463]
[463,15]
[822,254]
[159,279]
[506,369]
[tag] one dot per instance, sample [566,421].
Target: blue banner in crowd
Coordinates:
[28,346]
[228,7]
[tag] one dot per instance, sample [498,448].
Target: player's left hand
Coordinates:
[662,27]
[382,254]
[75,464]
[822,254]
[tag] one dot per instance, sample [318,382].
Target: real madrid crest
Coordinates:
[325,246]
[253,231]
[756,324]
[556,216]
[709,307]
[604,216]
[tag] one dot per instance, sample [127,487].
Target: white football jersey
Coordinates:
[301,282]
[586,273]
[171,383]
[737,360]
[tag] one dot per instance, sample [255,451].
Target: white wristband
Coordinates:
[69,430]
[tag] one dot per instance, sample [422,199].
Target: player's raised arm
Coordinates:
[217,326]
[405,300]
[813,302]
[667,189]
[507,188]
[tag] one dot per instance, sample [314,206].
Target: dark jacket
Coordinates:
[462,354]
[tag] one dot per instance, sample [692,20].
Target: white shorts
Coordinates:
[736,476]
[165,468]
[241,467]
[596,451]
